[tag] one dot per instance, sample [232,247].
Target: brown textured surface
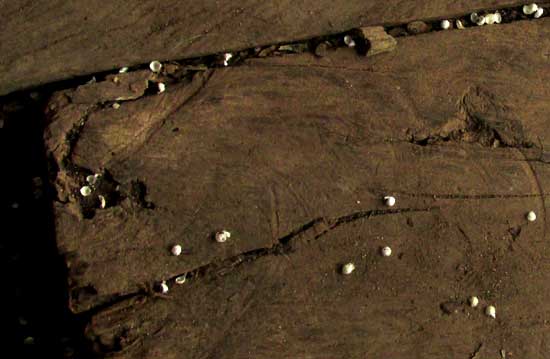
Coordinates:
[49,40]
[292,155]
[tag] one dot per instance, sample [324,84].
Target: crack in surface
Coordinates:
[319,226]
[466,196]
[476,351]
[72,137]
[510,14]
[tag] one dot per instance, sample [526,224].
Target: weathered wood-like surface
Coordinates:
[48,40]
[293,155]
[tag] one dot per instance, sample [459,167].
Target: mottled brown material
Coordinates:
[293,155]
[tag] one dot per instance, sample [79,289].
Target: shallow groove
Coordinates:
[466,196]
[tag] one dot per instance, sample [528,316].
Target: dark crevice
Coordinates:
[138,193]
[108,192]
[286,239]
[186,67]
[515,232]
[71,138]
[476,351]
[423,26]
